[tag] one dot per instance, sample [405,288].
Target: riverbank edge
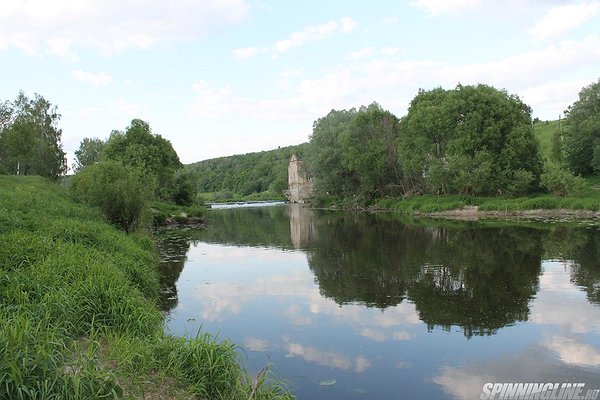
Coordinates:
[108,339]
[473,213]
[473,208]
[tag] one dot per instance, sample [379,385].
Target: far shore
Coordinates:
[473,213]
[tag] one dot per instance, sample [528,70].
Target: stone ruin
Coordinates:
[300,183]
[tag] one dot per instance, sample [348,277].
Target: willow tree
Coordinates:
[469,140]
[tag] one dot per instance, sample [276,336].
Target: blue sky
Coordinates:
[235,76]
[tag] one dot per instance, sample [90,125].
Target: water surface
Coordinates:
[375,308]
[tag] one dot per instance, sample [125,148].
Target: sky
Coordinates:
[227,77]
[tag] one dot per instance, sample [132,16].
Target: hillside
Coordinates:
[544,131]
[260,175]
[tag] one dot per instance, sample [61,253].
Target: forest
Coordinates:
[466,141]
[245,174]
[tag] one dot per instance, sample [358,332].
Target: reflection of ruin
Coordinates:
[302,226]
[300,183]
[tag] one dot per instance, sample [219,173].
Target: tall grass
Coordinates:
[430,203]
[78,314]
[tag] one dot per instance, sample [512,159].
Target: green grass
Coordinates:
[588,200]
[544,131]
[160,211]
[78,314]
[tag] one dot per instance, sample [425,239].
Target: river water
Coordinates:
[348,306]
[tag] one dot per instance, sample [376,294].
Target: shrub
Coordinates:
[183,188]
[559,181]
[118,190]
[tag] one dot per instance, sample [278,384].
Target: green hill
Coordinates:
[261,175]
[544,131]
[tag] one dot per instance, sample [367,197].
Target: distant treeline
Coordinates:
[470,140]
[245,174]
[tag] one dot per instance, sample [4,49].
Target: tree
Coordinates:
[183,188]
[369,151]
[325,154]
[582,136]
[117,189]
[353,153]
[471,140]
[152,154]
[559,180]
[90,151]
[30,140]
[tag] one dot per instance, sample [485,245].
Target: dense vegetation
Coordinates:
[153,156]
[263,174]
[472,140]
[78,314]
[122,175]
[353,152]
[582,137]
[30,140]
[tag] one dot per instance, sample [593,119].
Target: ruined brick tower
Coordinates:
[300,185]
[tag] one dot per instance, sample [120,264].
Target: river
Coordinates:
[346,306]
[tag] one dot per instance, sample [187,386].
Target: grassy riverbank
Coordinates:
[78,315]
[587,199]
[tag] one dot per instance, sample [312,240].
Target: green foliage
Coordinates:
[30,140]
[353,153]
[582,139]
[90,151]
[151,154]
[325,155]
[78,318]
[559,181]
[117,189]
[470,140]
[249,174]
[183,188]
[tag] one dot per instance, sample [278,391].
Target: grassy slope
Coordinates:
[543,132]
[78,318]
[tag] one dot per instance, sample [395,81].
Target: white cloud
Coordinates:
[96,79]
[374,334]
[390,20]
[362,53]
[561,303]
[348,24]
[402,336]
[460,384]
[60,27]
[256,344]
[329,358]
[561,19]
[572,352]
[315,33]
[555,96]
[437,7]
[245,52]
[390,51]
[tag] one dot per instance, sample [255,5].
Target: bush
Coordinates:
[559,181]
[118,190]
[183,188]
